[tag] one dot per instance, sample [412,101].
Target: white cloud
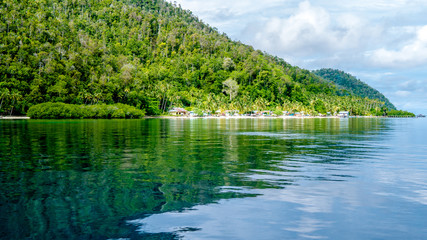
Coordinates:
[403,93]
[307,27]
[377,5]
[314,32]
[412,54]
[230,17]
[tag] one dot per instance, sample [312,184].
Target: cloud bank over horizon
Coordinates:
[383,43]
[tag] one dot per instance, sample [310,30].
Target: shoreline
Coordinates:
[214,117]
[255,117]
[14,118]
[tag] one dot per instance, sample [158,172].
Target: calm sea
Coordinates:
[214,179]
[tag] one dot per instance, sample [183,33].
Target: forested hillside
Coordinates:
[352,85]
[149,54]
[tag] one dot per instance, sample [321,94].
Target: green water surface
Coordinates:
[213,179]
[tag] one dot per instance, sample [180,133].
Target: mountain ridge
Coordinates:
[351,84]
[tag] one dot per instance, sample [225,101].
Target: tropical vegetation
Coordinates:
[400,113]
[149,54]
[70,111]
[351,85]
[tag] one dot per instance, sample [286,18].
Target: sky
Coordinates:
[381,42]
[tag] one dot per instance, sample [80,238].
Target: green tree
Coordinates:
[228,64]
[59,88]
[4,95]
[319,106]
[14,96]
[231,88]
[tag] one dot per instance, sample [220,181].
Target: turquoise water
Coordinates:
[214,179]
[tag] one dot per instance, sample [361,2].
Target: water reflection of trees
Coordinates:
[63,179]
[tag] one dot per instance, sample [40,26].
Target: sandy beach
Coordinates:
[252,117]
[14,117]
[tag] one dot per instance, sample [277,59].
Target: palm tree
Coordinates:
[97,96]
[15,96]
[4,94]
[260,104]
[210,103]
[88,96]
[80,97]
